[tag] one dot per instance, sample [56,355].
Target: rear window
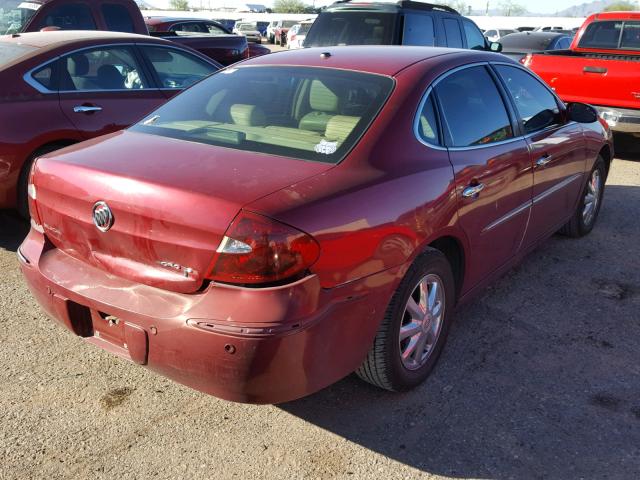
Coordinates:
[352,28]
[117,18]
[301,112]
[10,52]
[612,35]
[530,42]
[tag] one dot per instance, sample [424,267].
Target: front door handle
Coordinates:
[86,108]
[599,70]
[472,191]
[543,160]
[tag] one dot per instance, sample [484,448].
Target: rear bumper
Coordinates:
[623,120]
[247,345]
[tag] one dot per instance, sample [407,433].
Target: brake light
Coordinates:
[526,60]
[32,196]
[258,250]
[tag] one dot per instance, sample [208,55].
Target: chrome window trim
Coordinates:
[28,77]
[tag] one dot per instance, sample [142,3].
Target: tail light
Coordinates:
[259,250]
[32,196]
[526,60]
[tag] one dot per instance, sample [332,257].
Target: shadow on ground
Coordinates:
[13,229]
[540,378]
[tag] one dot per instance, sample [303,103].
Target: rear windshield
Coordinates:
[300,112]
[10,52]
[15,14]
[526,42]
[611,35]
[352,28]
[289,23]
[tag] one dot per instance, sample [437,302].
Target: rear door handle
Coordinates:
[472,191]
[86,108]
[600,70]
[543,160]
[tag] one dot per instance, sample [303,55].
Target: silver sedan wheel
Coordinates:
[592,197]
[422,321]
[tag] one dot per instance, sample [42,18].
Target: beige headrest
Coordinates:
[340,126]
[247,115]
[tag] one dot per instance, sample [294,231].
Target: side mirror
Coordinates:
[582,113]
[495,47]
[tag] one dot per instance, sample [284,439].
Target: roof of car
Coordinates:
[390,5]
[383,60]
[155,20]
[50,40]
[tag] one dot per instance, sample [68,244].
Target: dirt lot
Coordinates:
[540,379]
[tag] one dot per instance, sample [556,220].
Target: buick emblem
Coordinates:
[102,216]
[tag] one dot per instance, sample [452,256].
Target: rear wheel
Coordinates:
[415,327]
[585,216]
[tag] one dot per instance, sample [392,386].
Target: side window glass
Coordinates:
[418,30]
[102,69]
[117,18]
[177,69]
[631,35]
[473,109]
[45,77]
[536,105]
[214,29]
[452,32]
[190,27]
[475,40]
[428,124]
[74,16]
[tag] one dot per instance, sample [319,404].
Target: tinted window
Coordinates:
[418,30]
[215,29]
[475,40]
[562,43]
[352,28]
[45,77]
[117,18]
[73,16]
[473,108]
[631,35]
[177,69]
[300,112]
[452,32]
[601,35]
[102,69]
[519,41]
[536,106]
[428,124]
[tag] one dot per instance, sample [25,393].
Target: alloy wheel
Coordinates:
[592,197]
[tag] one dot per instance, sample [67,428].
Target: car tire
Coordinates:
[23,179]
[389,364]
[585,216]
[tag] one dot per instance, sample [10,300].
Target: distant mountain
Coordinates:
[581,10]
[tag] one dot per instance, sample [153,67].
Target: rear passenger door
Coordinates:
[418,30]
[491,165]
[105,89]
[557,149]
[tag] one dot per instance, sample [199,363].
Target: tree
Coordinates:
[621,6]
[289,6]
[180,5]
[510,8]
[458,5]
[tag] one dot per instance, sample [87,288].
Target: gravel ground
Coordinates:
[540,379]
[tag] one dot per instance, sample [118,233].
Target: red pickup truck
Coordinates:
[20,16]
[602,67]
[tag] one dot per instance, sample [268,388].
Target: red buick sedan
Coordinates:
[309,214]
[59,88]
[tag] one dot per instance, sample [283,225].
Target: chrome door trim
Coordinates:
[508,216]
[558,186]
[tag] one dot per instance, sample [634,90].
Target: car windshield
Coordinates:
[352,28]
[300,112]
[246,27]
[15,14]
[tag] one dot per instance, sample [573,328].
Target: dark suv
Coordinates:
[400,23]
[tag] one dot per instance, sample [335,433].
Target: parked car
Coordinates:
[249,30]
[311,213]
[518,45]
[297,34]
[398,23]
[600,68]
[226,48]
[108,15]
[228,23]
[495,34]
[59,88]
[280,31]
